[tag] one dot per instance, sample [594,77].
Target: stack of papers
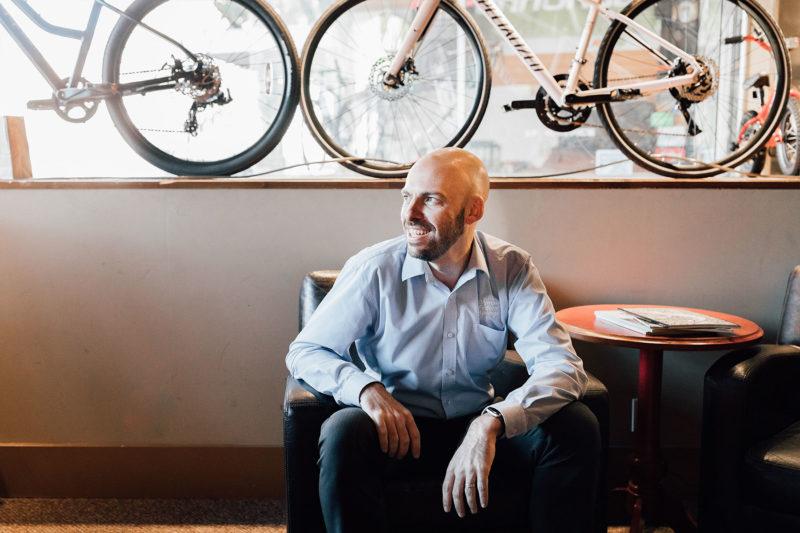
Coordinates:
[665,321]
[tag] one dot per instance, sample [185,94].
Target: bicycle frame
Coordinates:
[70,88]
[568,95]
[777,135]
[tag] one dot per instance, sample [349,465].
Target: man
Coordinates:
[429,313]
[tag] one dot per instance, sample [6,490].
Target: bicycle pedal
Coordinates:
[41,104]
[519,104]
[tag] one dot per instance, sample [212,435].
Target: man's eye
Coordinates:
[431,200]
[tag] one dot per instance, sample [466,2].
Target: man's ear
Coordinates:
[475,210]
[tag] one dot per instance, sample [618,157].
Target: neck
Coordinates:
[449,267]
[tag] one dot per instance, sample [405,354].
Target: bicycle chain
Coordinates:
[651,76]
[149,72]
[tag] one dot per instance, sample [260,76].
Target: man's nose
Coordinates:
[413,210]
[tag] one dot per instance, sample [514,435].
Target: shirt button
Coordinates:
[450,372]
[450,335]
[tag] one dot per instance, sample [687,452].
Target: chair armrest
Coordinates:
[304,411]
[748,395]
[751,393]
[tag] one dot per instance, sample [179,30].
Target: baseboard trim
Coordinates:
[78,471]
[83,471]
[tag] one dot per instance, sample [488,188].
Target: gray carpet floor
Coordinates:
[39,515]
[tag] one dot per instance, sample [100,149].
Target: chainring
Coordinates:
[78,111]
[560,118]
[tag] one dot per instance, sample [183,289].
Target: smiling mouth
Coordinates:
[416,232]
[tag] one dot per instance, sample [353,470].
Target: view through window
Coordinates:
[512,143]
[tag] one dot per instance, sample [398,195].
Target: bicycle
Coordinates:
[784,143]
[201,87]
[415,75]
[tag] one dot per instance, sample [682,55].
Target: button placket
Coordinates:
[450,351]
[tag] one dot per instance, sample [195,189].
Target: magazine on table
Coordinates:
[666,321]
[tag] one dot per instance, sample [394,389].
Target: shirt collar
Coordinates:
[413,266]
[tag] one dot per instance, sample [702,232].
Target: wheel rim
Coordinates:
[244,51]
[789,148]
[653,130]
[351,111]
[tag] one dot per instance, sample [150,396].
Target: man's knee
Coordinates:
[575,425]
[347,432]
[570,434]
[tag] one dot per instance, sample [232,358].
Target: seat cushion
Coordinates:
[772,471]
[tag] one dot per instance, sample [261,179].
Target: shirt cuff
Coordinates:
[513,417]
[353,387]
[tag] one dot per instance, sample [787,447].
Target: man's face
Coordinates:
[432,214]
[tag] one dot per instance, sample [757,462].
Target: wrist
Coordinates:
[369,388]
[495,421]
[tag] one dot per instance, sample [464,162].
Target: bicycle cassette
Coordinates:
[560,118]
[706,84]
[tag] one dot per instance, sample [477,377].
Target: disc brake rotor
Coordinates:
[378,86]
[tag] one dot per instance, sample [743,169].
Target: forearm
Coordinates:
[327,372]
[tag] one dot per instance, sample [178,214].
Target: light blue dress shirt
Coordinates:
[433,348]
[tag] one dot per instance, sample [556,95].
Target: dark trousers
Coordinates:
[551,471]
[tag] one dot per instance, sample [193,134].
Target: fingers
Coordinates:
[447,487]
[383,434]
[471,493]
[416,441]
[397,430]
[483,491]
[392,436]
[457,494]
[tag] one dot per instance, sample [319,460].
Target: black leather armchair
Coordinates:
[304,410]
[750,465]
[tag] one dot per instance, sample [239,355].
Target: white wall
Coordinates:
[145,316]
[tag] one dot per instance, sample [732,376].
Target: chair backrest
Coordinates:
[315,286]
[789,329]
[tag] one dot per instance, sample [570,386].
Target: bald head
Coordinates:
[462,169]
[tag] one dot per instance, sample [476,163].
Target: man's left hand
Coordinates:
[467,476]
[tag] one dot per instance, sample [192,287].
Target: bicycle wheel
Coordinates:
[236,105]
[788,150]
[352,113]
[685,131]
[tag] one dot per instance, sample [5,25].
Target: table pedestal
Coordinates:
[646,495]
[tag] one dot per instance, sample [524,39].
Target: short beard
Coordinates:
[448,236]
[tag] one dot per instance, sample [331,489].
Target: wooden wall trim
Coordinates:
[371,183]
[77,471]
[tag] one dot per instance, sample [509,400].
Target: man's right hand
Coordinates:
[397,430]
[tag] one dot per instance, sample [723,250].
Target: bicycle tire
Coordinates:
[261,78]
[788,149]
[342,70]
[646,129]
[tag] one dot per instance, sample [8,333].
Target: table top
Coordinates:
[581,324]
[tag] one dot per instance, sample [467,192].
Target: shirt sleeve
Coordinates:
[320,353]
[556,372]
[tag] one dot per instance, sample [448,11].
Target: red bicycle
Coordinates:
[784,144]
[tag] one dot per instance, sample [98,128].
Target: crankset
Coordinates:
[74,104]
[556,117]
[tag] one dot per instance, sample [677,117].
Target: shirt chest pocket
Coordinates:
[485,347]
